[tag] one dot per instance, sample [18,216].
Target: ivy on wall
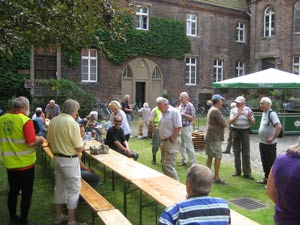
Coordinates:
[166,38]
[12,83]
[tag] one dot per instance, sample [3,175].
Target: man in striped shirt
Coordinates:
[199,208]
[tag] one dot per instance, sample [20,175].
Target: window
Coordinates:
[89,65]
[190,71]
[269,18]
[127,72]
[296,65]
[142,18]
[297,18]
[239,68]
[218,70]
[156,74]
[191,24]
[240,32]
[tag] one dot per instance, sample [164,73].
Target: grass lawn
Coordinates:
[42,209]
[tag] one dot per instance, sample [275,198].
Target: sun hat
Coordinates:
[240,99]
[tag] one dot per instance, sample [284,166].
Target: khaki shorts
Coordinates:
[214,149]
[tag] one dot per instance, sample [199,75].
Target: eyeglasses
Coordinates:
[118,121]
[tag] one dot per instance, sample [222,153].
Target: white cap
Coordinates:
[240,99]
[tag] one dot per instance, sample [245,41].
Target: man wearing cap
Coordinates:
[241,118]
[215,135]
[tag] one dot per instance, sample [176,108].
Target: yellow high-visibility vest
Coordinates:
[157,117]
[15,152]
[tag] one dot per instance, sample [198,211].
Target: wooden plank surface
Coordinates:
[93,198]
[238,219]
[163,190]
[113,217]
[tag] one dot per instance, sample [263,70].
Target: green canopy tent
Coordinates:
[269,78]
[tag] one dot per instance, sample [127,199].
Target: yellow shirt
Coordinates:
[64,135]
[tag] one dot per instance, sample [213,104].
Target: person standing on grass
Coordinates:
[17,146]
[126,108]
[215,135]
[268,132]
[65,142]
[241,119]
[153,120]
[199,208]
[145,114]
[187,111]
[169,132]
[229,139]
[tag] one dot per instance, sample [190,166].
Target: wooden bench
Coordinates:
[104,209]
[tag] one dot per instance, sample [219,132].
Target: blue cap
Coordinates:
[215,98]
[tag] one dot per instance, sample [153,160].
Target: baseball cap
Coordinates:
[215,98]
[240,99]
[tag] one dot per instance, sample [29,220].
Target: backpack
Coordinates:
[270,121]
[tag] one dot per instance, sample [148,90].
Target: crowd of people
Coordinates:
[171,129]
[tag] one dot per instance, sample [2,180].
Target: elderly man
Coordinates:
[169,129]
[116,139]
[187,111]
[17,141]
[52,110]
[268,132]
[215,135]
[199,208]
[126,108]
[241,119]
[65,142]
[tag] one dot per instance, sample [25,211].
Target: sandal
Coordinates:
[219,181]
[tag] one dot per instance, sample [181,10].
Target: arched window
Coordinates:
[297,17]
[269,22]
[156,74]
[127,72]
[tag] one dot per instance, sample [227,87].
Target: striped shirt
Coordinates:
[204,210]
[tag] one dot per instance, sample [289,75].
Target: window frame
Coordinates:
[189,66]
[296,65]
[218,65]
[240,32]
[297,11]
[239,68]
[89,58]
[139,15]
[189,24]
[269,22]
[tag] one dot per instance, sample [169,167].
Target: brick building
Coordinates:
[228,38]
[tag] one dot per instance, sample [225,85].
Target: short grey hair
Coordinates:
[266,100]
[146,105]
[184,95]
[200,179]
[162,100]
[20,103]
[93,115]
[70,106]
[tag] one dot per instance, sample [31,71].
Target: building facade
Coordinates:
[228,39]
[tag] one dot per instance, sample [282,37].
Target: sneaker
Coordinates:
[182,164]
[236,174]
[60,220]
[76,223]
[248,177]
[262,181]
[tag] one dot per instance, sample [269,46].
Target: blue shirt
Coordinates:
[42,127]
[203,210]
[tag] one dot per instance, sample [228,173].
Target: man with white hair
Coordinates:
[187,111]
[268,132]
[52,110]
[169,129]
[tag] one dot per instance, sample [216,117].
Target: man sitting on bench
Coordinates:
[116,140]
[198,208]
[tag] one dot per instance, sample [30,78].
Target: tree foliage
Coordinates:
[46,23]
